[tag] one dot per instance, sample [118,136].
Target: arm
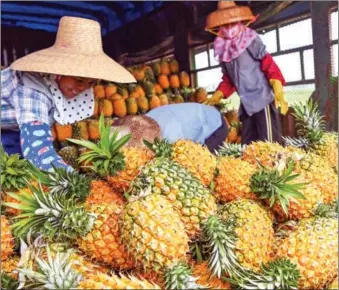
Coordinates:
[32,113]
[37,146]
[271,70]
[226,87]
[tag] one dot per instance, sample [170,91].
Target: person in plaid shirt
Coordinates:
[54,85]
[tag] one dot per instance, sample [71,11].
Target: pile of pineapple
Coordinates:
[175,216]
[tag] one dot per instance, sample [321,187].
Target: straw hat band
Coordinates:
[84,36]
[77,51]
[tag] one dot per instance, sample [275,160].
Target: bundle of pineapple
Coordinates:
[173,216]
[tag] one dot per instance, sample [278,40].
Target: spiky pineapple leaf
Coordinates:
[105,155]
[161,148]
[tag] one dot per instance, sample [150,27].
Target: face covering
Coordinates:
[232,41]
[68,111]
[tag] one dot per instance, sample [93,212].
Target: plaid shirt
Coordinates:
[21,104]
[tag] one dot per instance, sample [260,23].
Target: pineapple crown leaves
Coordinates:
[218,242]
[106,156]
[310,123]
[277,187]
[327,210]
[180,276]
[8,282]
[278,274]
[62,182]
[230,149]
[14,171]
[299,142]
[161,148]
[55,217]
[55,273]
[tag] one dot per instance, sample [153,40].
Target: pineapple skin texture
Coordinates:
[203,274]
[233,179]
[135,159]
[190,198]
[102,192]
[305,207]
[329,149]
[7,241]
[254,231]
[313,247]
[265,152]
[153,233]
[102,281]
[318,172]
[198,160]
[103,244]
[334,284]
[9,266]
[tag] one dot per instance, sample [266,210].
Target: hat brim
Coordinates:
[228,16]
[62,62]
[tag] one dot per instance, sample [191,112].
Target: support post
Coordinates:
[320,13]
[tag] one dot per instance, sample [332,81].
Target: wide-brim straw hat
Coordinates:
[77,51]
[228,12]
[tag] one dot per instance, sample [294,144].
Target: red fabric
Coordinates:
[271,70]
[226,86]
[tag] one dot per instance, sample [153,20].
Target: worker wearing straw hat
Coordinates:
[249,70]
[54,84]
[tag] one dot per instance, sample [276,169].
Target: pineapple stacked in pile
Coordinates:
[175,216]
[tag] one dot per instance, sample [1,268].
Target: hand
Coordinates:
[215,99]
[279,99]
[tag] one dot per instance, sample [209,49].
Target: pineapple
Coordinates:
[153,232]
[79,130]
[231,150]
[204,276]
[232,180]
[254,230]
[70,155]
[313,247]
[334,284]
[265,152]
[15,175]
[118,165]
[190,198]
[192,156]
[58,272]
[311,133]
[101,191]
[9,274]
[135,159]
[93,227]
[218,241]
[7,241]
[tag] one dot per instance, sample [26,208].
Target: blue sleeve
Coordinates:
[37,146]
[257,49]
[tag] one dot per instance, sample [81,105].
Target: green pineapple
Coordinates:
[231,149]
[70,155]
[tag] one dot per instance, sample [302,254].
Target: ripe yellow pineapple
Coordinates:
[118,164]
[135,159]
[265,152]
[205,278]
[232,180]
[334,284]
[102,192]
[197,159]
[93,227]
[328,149]
[7,241]
[190,198]
[9,267]
[153,232]
[254,231]
[313,247]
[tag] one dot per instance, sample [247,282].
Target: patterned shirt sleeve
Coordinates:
[37,146]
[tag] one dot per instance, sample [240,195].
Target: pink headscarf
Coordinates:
[232,41]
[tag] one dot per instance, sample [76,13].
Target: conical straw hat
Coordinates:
[228,12]
[77,51]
